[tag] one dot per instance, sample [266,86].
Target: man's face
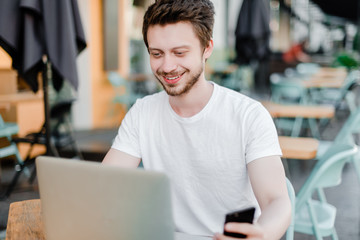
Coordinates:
[177,58]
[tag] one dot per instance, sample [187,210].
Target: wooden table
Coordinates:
[25,221]
[324,82]
[299,112]
[326,78]
[331,72]
[292,111]
[298,147]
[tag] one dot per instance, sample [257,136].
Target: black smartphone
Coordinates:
[244,216]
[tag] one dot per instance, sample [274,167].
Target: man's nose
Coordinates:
[169,64]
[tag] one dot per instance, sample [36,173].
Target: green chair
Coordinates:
[124,91]
[62,139]
[7,130]
[286,90]
[345,136]
[337,97]
[317,217]
[307,69]
[290,231]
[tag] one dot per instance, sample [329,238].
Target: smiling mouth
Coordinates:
[172,80]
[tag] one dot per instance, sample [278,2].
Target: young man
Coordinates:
[219,147]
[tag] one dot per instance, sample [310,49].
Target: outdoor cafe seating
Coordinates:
[321,87]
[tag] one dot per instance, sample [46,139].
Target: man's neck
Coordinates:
[194,101]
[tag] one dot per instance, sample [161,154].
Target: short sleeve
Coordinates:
[261,139]
[127,139]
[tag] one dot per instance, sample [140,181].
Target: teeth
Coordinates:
[172,78]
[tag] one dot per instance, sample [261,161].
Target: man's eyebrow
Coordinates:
[154,49]
[175,48]
[183,46]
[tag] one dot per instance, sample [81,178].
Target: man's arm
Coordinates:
[268,181]
[121,159]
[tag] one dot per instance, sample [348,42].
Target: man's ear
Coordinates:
[208,50]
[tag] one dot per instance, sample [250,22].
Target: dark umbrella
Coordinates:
[252,36]
[348,9]
[42,35]
[252,31]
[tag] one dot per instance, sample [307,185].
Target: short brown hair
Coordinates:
[200,13]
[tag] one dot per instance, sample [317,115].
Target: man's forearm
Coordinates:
[118,158]
[275,218]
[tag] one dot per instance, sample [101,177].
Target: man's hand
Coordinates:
[252,231]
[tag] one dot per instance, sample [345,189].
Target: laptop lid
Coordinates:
[88,200]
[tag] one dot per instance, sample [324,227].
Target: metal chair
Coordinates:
[317,217]
[290,231]
[62,135]
[124,91]
[7,130]
[307,69]
[346,135]
[287,90]
[337,97]
[290,91]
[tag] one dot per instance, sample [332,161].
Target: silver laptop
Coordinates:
[87,200]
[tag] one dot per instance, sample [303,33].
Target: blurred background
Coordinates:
[260,47]
[300,31]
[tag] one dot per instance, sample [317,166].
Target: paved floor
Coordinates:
[94,144]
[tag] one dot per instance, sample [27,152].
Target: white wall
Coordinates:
[234,10]
[220,21]
[81,111]
[219,26]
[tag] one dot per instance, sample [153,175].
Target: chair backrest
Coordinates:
[307,68]
[116,80]
[7,129]
[350,127]
[327,172]
[291,192]
[126,94]
[351,80]
[286,90]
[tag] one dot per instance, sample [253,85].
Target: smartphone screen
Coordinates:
[245,216]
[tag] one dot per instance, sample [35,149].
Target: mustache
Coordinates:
[165,74]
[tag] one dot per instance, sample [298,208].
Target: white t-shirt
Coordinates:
[205,155]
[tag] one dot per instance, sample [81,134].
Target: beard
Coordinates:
[180,89]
